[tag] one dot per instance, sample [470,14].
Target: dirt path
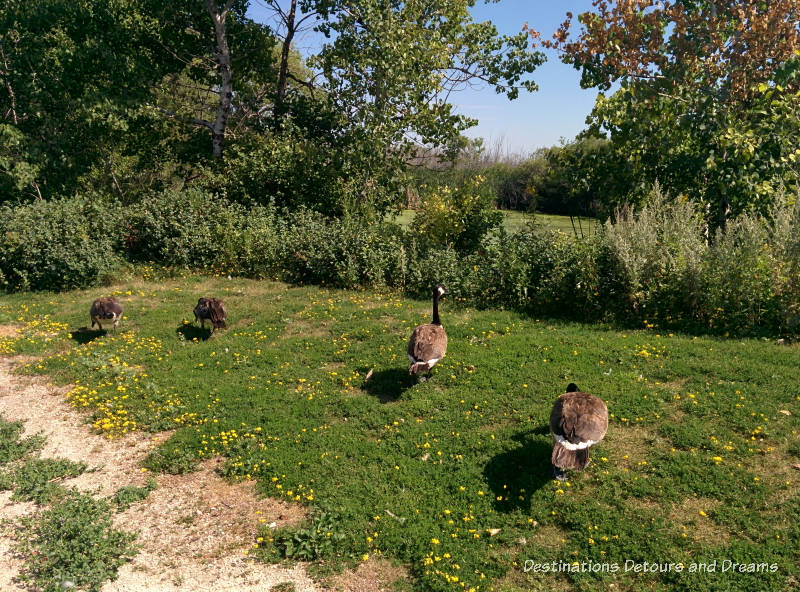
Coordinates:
[194,529]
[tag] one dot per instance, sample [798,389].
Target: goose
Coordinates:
[428,343]
[105,310]
[213,310]
[578,421]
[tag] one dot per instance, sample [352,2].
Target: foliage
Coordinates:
[127,495]
[12,446]
[727,162]
[288,169]
[73,544]
[72,73]
[66,243]
[319,540]
[657,252]
[182,228]
[391,68]
[460,215]
[708,97]
[35,480]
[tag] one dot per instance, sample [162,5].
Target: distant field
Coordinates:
[516,221]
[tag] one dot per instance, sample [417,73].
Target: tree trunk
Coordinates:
[284,65]
[223,57]
[6,72]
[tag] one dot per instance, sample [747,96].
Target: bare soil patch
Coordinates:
[193,529]
[375,575]
[9,330]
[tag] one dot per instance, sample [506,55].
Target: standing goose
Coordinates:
[213,310]
[578,421]
[105,310]
[428,343]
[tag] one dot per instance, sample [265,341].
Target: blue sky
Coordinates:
[557,110]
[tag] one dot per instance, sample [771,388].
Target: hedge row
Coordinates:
[654,266]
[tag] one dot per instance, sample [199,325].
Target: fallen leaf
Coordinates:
[425,456]
[785,412]
[369,374]
[796,467]
[492,531]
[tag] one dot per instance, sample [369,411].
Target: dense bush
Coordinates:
[654,265]
[58,245]
[460,216]
[183,228]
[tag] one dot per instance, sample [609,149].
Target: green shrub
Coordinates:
[128,495]
[36,479]
[73,545]
[460,215]
[739,290]
[656,253]
[318,540]
[12,445]
[345,252]
[190,228]
[58,245]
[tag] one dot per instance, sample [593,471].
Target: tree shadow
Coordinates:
[389,384]
[84,335]
[190,332]
[515,475]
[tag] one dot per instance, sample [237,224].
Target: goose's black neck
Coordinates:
[436,320]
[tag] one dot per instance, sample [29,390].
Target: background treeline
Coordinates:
[579,178]
[652,266]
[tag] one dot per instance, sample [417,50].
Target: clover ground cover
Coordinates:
[449,477]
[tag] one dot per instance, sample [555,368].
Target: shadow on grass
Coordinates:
[389,384]
[520,472]
[84,335]
[191,332]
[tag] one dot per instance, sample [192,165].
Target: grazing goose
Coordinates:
[428,343]
[105,310]
[578,421]
[213,310]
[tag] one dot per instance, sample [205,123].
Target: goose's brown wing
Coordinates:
[217,312]
[102,306]
[579,417]
[428,342]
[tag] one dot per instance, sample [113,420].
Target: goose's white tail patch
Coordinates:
[570,446]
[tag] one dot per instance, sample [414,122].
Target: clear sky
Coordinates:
[557,110]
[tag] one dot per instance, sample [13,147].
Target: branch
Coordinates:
[182,119]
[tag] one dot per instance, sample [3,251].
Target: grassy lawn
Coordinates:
[450,477]
[515,221]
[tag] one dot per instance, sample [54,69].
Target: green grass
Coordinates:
[514,221]
[451,476]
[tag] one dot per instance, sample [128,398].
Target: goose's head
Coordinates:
[572,388]
[439,291]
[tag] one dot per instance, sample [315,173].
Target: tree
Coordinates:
[227,66]
[71,74]
[390,67]
[706,96]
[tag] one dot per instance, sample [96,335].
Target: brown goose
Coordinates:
[213,310]
[105,310]
[578,421]
[428,343]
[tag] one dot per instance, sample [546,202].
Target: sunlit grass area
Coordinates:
[449,477]
[514,221]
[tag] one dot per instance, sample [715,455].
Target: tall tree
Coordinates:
[71,73]
[223,59]
[390,68]
[706,92]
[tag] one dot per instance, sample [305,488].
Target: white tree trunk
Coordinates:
[223,57]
